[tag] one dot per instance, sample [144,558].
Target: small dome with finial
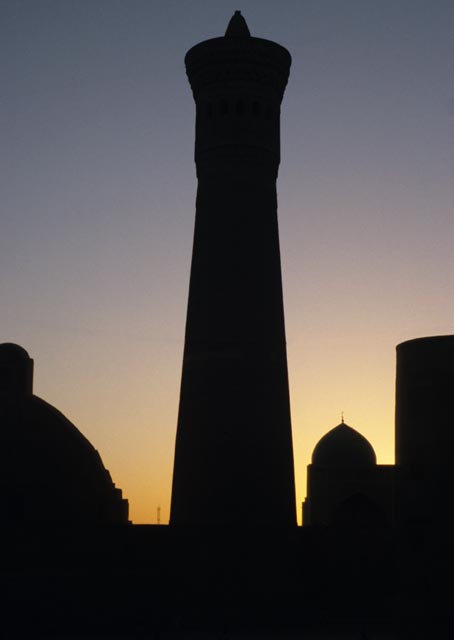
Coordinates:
[237,27]
[343,447]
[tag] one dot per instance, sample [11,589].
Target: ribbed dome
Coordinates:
[49,472]
[343,447]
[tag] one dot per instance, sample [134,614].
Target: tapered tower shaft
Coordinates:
[233,455]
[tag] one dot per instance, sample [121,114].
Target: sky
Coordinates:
[97,197]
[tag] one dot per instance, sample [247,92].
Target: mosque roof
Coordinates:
[343,446]
[48,468]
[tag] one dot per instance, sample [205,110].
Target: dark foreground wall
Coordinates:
[151,582]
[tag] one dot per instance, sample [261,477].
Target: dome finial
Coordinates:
[237,27]
[342,417]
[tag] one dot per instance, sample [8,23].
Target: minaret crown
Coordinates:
[237,27]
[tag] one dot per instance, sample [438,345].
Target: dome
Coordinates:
[343,447]
[49,471]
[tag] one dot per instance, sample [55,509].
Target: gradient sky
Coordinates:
[97,191]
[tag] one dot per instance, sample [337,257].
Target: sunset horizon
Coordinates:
[98,215]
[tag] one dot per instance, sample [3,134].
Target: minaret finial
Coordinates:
[237,27]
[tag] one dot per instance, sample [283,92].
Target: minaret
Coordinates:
[233,454]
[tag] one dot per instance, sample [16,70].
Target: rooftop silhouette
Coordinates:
[344,447]
[50,474]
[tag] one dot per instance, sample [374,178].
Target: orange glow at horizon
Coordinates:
[131,418]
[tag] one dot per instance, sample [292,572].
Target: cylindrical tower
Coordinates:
[233,454]
[424,428]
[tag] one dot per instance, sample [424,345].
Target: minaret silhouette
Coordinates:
[233,455]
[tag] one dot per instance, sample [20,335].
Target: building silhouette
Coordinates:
[49,473]
[376,549]
[344,481]
[345,486]
[424,429]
